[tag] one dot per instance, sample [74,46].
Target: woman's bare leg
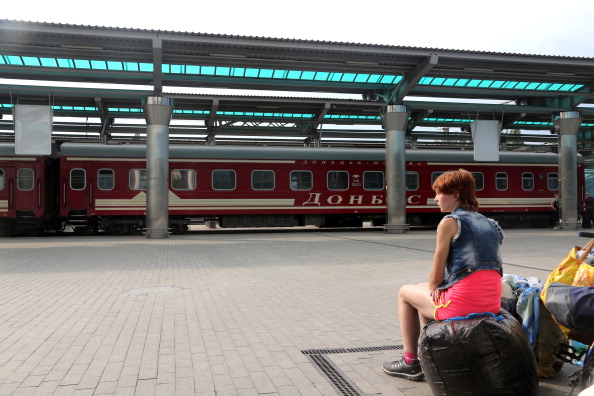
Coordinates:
[414,306]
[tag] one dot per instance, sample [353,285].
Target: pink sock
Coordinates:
[409,358]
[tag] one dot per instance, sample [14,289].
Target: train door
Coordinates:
[75,189]
[26,195]
[76,197]
[21,187]
[7,176]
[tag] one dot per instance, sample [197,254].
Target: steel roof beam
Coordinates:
[410,80]
[157,66]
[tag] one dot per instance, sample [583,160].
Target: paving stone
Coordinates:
[217,313]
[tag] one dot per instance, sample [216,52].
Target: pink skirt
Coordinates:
[477,293]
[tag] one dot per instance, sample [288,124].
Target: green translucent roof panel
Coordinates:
[74,63]
[262,114]
[75,108]
[447,120]
[548,124]
[350,117]
[219,71]
[534,123]
[192,112]
[124,110]
[464,82]
[250,114]
[278,74]
[281,74]
[59,108]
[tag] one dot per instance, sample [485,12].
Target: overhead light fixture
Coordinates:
[82,47]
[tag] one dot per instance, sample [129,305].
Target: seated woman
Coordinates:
[466,274]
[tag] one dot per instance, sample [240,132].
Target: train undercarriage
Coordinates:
[136,225]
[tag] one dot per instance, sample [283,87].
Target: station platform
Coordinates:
[303,312]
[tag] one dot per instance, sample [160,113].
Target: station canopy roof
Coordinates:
[95,78]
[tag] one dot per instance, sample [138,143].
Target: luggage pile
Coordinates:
[485,354]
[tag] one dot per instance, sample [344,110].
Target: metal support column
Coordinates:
[569,124]
[395,120]
[157,112]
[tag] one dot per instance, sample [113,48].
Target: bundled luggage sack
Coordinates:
[572,306]
[481,354]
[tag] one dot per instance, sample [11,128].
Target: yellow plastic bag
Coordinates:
[574,272]
[567,271]
[584,276]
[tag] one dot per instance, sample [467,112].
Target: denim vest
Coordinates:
[474,248]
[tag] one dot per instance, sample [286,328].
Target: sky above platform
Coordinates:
[539,27]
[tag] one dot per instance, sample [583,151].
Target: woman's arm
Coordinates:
[446,230]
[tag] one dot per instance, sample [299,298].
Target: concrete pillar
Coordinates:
[569,124]
[395,119]
[157,112]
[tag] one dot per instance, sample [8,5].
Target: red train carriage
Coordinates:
[104,186]
[26,192]
[516,191]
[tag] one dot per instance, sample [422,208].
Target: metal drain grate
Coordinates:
[331,351]
[334,375]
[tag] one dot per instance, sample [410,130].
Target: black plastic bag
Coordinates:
[479,356]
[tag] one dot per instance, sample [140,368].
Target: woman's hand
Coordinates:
[436,296]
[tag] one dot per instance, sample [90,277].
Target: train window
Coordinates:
[338,180]
[105,179]
[412,181]
[25,179]
[479,180]
[527,181]
[223,179]
[137,179]
[553,181]
[1,179]
[78,179]
[501,181]
[434,176]
[373,181]
[183,179]
[263,180]
[301,180]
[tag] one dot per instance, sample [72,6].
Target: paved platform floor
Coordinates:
[216,313]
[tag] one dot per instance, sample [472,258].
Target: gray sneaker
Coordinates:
[401,369]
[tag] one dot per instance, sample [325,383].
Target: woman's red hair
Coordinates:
[460,181]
